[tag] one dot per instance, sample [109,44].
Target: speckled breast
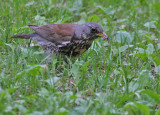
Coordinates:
[75,48]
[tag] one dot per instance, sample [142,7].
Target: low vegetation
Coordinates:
[123,78]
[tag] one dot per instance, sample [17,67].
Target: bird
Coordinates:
[66,39]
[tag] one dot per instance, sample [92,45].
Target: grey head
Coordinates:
[89,30]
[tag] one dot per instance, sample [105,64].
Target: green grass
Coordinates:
[123,78]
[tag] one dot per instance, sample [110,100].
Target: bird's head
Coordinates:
[91,31]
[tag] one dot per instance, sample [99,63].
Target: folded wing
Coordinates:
[55,33]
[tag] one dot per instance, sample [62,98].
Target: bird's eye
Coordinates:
[94,30]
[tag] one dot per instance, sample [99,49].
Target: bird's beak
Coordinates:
[103,35]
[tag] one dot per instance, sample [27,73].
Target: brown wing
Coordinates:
[56,33]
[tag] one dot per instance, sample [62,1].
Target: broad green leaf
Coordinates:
[152,94]
[157,23]
[22,108]
[143,108]
[85,65]
[156,7]
[80,110]
[30,3]
[37,113]
[31,69]
[155,58]
[93,18]
[62,113]
[8,109]
[143,78]
[121,20]
[129,107]
[136,107]
[140,50]
[109,11]
[40,19]
[11,46]
[1,43]
[123,48]
[106,11]
[143,56]
[150,24]
[158,112]
[150,48]
[52,80]
[43,92]
[158,45]
[12,90]
[100,9]
[133,86]
[157,69]
[77,6]
[75,70]
[124,37]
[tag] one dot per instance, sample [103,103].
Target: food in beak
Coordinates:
[104,37]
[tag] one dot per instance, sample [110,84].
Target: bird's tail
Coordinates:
[23,36]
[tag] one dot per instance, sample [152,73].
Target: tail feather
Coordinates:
[23,36]
[41,41]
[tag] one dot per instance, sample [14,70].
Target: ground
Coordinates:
[123,78]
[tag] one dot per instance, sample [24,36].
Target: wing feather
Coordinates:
[56,33]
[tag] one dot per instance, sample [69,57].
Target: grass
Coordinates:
[123,78]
